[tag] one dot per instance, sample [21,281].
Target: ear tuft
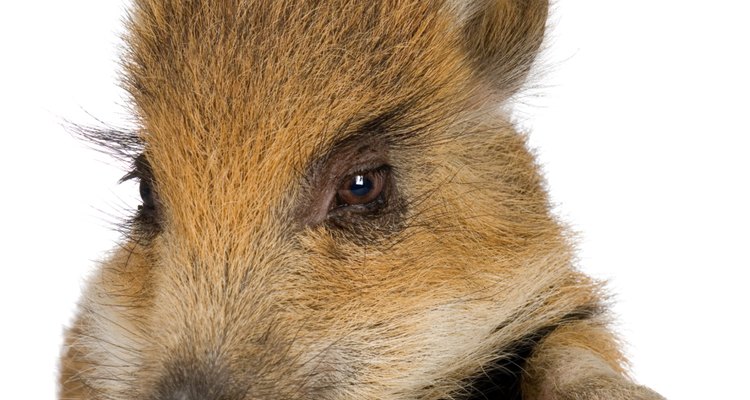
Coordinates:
[502,37]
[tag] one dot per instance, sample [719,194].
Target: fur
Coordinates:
[238,279]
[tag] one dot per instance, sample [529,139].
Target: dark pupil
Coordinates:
[361,186]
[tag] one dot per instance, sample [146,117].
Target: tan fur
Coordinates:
[249,110]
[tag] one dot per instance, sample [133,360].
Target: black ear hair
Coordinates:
[503,37]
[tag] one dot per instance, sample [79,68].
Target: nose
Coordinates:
[190,382]
[192,391]
[185,394]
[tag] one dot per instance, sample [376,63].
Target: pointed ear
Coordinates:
[502,38]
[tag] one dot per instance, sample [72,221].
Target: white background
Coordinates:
[640,122]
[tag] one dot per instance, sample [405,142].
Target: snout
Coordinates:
[188,393]
[192,381]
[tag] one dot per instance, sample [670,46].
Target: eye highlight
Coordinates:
[362,188]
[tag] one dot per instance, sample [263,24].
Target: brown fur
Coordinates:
[244,284]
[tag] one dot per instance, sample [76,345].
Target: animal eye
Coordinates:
[362,188]
[147,194]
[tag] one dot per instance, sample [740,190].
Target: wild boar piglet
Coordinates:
[336,205]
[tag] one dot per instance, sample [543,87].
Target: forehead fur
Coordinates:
[290,72]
